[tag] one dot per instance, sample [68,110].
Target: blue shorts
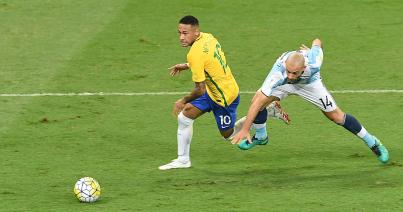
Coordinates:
[224,116]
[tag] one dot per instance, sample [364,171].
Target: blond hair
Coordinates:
[295,60]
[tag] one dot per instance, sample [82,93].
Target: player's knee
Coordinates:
[191,111]
[183,120]
[187,107]
[226,134]
[336,118]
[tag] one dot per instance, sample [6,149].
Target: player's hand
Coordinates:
[317,42]
[303,47]
[240,136]
[174,70]
[178,107]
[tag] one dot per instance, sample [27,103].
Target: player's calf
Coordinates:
[351,124]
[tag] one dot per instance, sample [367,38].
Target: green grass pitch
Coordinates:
[49,142]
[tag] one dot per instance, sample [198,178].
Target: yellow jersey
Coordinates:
[207,62]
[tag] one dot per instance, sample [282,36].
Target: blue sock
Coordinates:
[261,117]
[352,125]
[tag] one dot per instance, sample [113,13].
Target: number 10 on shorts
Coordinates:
[225,120]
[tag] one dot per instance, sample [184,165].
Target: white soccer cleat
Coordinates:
[176,164]
[275,110]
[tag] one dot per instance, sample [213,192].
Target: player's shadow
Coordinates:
[296,176]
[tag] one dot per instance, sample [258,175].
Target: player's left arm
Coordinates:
[315,56]
[317,42]
[198,90]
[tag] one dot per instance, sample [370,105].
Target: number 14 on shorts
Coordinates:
[326,102]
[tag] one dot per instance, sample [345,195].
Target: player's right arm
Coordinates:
[196,65]
[261,99]
[258,102]
[176,69]
[274,78]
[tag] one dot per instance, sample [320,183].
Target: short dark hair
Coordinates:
[189,20]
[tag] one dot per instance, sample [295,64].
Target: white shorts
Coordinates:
[315,93]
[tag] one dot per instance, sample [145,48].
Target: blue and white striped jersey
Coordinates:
[278,73]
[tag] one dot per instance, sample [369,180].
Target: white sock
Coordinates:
[367,137]
[237,127]
[185,133]
[362,133]
[261,132]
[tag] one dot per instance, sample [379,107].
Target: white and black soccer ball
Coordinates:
[87,189]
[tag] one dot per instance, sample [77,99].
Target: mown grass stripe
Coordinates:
[166,93]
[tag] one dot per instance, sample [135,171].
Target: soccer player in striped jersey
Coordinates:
[298,73]
[215,90]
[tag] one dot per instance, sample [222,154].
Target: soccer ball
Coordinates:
[87,189]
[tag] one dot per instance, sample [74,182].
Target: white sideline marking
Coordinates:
[166,93]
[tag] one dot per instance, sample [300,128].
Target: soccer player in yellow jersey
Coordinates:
[215,89]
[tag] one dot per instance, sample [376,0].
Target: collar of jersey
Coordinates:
[198,38]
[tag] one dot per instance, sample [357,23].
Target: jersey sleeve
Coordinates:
[274,79]
[315,57]
[196,65]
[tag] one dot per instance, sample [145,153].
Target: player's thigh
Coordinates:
[197,107]
[336,115]
[281,92]
[317,94]
[226,116]
[191,111]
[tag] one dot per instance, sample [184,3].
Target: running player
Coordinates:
[215,89]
